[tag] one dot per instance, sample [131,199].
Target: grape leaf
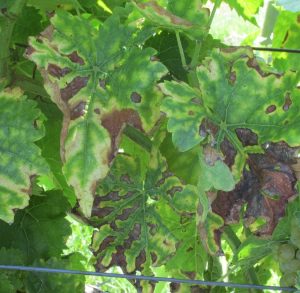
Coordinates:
[214,174]
[252,250]
[50,147]
[11,281]
[266,187]
[101,81]
[191,257]
[134,215]
[29,23]
[286,35]
[21,159]
[235,94]
[183,16]
[246,9]
[60,283]
[40,230]
[49,5]
[184,165]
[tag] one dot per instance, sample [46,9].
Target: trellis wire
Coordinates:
[297,51]
[145,278]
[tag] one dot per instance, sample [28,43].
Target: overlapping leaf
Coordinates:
[40,230]
[286,35]
[134,216]
[184,16]
[235,93]
[246,9]
[100,81]
[20,158]
[60,283]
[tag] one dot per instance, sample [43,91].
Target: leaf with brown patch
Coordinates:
[100,81]
[133,213]
[188,17]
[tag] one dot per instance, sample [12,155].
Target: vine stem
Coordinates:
[8,21]
[198,43]
[234,242]
[182,56]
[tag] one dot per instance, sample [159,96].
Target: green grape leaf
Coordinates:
[101,81]
[60,283]
[40,230]
[50,146]
[283,228]
[246,9]
[252,250]
[191,257]
[134,233]
[185,114]
[184,165]
[11,281]
[286,35]
[49,5]
[183,16]
[214,172]
[235,94]
[29,23]
[6,284]
[21,160]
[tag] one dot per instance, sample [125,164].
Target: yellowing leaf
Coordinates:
[20,158]
[134,216]
[235,93]
[185,16]
[101,80]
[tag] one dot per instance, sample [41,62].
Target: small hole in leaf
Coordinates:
[135,97]
[191,113]
[270,109]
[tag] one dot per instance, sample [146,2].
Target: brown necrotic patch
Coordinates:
[270,109]
[174,189]
[114,123]
[56,71]
[232,77]
[78,111]
[252,63]
[126,213]
[101,212]
[74,57]
[102,83]
[73,87]
[135,97]
[161,11]
[97,111]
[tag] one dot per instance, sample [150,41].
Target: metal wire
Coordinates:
[296,51]
[147,278]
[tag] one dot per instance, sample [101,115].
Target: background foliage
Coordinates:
[133,140]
